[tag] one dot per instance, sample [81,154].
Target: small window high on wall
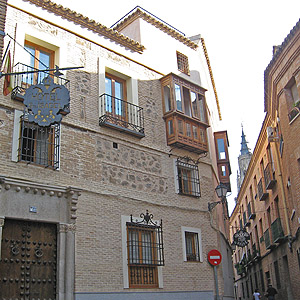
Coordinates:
[183,63]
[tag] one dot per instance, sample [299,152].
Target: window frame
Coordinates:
[125,257]
[141,262]
[182,63]
[37,50]
[193,230]
[187,181]
[17,140]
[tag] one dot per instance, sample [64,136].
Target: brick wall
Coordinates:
[136,176]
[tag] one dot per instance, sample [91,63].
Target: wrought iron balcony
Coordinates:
[21,82]
[262,195]
[255,252]
[246,222]
[268,243]
[251,214]
[121,115]
[277,231]
[269,176]
[240,268]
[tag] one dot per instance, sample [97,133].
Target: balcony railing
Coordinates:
[21,82]
[269,176]
[267,239]
[240,268]
[251,214]
[268,242]
[246,221]
[262,195]
[255,252]
[277,231]
[186,132]
[121,115]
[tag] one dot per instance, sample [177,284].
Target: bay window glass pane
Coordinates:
[188,130]
[187,101]
[221,149]
[180,126]
[170,127]
[178,97]
[202,109]
[202,136]
[167,96]
[195,133]
[195,105]
[223,169]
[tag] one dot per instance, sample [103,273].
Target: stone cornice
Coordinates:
[8,183]
[71,194]
[138,13]
[92,25]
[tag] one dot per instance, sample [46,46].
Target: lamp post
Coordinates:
[221,191]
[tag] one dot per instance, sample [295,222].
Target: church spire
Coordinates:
[243,160]
[244,146]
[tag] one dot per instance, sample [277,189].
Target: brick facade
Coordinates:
[105,174]
[274,223]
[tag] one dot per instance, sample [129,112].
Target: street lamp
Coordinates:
[221,191]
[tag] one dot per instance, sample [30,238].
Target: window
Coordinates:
[221,149]
[41,58]
[183,63]
[38,145]
[115,89]
[144,253]
[294,93]
[191,244]
[223,170]
[178,97]
[262,280]
[187,179]
[167,96]
[277,274]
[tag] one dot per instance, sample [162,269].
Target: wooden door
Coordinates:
[28,261]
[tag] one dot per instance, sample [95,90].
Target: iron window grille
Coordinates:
[183,63]
[188,179]
[192,246]
[39,145]
[145,251]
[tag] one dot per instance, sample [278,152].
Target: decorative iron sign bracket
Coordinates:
[241,238]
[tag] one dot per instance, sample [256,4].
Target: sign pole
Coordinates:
[215,258]
[216,282]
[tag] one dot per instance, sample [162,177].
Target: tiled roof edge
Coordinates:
[160,25]
[92,25]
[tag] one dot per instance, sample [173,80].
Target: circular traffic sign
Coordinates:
[214,257]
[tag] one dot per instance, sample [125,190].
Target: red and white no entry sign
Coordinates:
[214,257]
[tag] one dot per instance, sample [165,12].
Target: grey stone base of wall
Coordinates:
[196,295]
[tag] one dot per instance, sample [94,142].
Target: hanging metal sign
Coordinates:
[241,238]
[45,102]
